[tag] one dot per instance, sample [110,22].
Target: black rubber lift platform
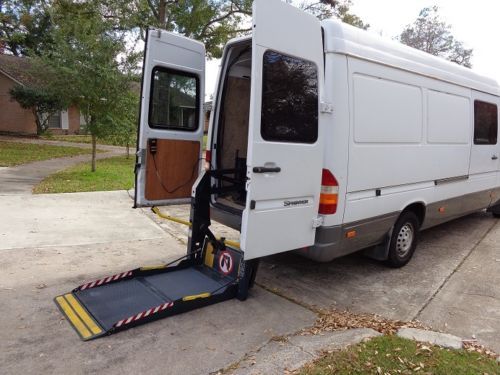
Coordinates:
[127,299]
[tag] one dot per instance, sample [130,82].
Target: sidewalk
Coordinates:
[22,178]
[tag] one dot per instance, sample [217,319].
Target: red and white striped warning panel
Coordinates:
[105,280]
[144,314]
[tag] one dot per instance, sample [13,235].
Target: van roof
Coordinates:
[349,40]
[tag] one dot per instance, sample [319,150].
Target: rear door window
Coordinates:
[174,100]
[289,99]
[485,123]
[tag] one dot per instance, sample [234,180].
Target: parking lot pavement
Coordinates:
[440,285]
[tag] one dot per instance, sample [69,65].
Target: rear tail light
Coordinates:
[329,193]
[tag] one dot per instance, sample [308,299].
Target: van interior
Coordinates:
[230,133]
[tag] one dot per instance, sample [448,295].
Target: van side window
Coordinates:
[173,102]
[289,99]
[485,123]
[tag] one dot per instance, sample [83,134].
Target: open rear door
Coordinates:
[285,150]
[170,135]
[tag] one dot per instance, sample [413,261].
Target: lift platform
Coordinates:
[135,297]
[210,272]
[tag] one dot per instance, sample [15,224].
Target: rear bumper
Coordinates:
[328,245]
[332,242]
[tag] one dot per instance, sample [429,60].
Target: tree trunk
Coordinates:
[39,127]
[162,13]
[128,150]
[94,151]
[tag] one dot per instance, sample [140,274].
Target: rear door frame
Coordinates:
[175,53]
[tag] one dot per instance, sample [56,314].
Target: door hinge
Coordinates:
[326,107]
[141,157]
[317,222]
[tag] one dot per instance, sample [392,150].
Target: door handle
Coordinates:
[494,157]
[266,169]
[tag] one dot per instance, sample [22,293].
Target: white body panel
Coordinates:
[405,119]
[269,225]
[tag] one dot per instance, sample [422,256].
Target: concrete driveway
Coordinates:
[451,284]
[51,243]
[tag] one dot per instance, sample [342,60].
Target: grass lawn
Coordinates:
[395,355]
[115,173]
[15,153]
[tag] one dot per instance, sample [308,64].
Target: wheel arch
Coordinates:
[419,208]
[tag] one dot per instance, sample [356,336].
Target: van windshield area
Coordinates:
[231,130]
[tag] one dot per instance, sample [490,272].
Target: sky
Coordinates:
[474,23]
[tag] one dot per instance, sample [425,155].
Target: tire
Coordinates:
[404,239]
[495,211]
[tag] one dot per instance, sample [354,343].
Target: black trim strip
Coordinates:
[451,179]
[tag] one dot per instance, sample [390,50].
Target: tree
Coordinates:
[42,103]
[212,22]
[334,8]
[93,67]
[124,127]
[429,33]
[24,26]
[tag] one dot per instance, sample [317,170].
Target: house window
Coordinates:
[54,121]
[174,100]
[485,123]
[289,99]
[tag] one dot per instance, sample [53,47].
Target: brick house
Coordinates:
[16,120]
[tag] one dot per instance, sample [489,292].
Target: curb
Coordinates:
[287,354]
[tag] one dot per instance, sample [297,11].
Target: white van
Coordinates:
[323,138]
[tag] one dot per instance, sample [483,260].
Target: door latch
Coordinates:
[326,107]
[317,222]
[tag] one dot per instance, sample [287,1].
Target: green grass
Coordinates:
[394,355]
[115,173]
[15,153]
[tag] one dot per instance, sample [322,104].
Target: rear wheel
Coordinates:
[404,239]
[495,211]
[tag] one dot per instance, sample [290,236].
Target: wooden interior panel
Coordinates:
[236,111]
[177,164]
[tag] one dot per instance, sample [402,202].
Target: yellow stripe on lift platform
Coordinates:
[196,296]
[209,255]
[73,318]
[89,322]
